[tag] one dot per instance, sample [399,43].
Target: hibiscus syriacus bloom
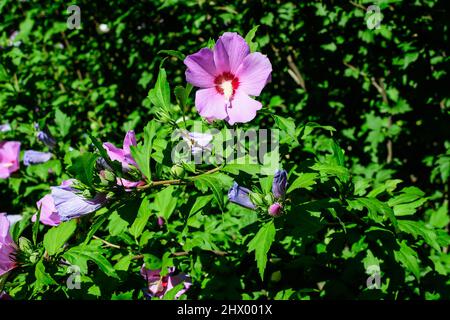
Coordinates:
[70,204]
[240,196]
[7,247]
[227,76]
[49,215]
[66,203]
[124,157]
[34,157]
[9,158]
[159,285]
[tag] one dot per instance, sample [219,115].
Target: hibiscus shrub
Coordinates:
[226,184]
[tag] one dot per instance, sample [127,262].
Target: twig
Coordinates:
[108,244]
[295,73]
[175,181]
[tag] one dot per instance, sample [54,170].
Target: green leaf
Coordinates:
[408,258]
[304,180]
[249,39]
[200,202]
[152,262]
[165,202]
[287,125]
[63,122]
[377,209]
[170,295]
[42,277]
[418,228]
[81,254]
[182,95]
[141,220]
[142,153]
[261,244]
[331,170]
[56,237]
[82,168]
[160,94]
[338,154]
[212,182]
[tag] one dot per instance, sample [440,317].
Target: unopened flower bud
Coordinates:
[177,171]
[275,210]
[161,221]
[268,198]
[256,198]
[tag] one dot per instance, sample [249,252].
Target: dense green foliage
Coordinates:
[364,121]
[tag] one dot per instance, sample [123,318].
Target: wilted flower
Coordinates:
[49,215]
[70,204]
[159,285]
[241,196]
[7,247]
[9,158]
[275,209]
[228,75]
[33,157]
[279,184]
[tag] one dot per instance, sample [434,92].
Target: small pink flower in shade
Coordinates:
[9,158]
[49,214]
[125,158]
[159,285]
[227,76]
[7,247]
[275,210]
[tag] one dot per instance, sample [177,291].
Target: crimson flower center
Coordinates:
[226,84]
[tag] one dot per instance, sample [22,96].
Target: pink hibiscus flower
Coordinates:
[124,157]
[227,76]
[7,246]
[9,158]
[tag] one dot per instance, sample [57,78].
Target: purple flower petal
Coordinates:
[253,73]
[129,140]
[9,158]
[279,184]
[7,246]
[70,205]
[240,196]
[210,104]
[243,108]
[229,52]
[34,157]
[49,215]
[201,70]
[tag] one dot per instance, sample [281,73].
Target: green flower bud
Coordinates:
[25,245]
[177,171]
[257,199]
[268,199]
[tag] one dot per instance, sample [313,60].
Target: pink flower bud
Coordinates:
[275,209]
